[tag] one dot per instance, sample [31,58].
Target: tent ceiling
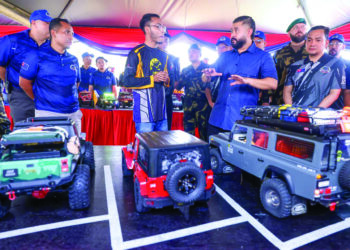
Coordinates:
[270,15]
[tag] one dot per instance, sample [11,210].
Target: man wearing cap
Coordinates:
[260,39]
[335,47]
[289,54]
[50,75]
[243,72]
[102,79]
[86,72]
[148,71]
[196,106]
[169,90]
[317,80]
[223,44]
[12,52]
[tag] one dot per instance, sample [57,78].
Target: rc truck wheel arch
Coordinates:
[272,172]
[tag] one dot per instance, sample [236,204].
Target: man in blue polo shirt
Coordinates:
[50,75]
[102,79]
[86,72]
[12,52]
[243,72]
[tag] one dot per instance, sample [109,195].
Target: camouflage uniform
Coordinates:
[196,107]
[283,58]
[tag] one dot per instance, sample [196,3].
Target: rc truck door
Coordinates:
[237,149]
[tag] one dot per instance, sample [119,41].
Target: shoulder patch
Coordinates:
[325,70]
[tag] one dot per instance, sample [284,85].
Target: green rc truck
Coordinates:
[300,154]
[42,155]
[107,101]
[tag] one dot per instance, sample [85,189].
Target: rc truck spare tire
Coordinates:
[344,176]
[185,182]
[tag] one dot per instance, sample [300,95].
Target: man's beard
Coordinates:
[239,43]
[298,39]
[333,52]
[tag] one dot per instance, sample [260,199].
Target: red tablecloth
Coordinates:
[111,127]
[115,127]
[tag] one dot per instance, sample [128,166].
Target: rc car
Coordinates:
[169,168]
[44,155]
[86,100]
[125,100]
[300,154]
[107,101]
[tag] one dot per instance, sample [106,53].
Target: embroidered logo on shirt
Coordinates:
[72,67]
[25,66]
[300,70]
[325,70]
[108,77]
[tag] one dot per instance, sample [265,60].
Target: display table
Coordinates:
[111,127]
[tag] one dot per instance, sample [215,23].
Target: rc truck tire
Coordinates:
[79,191]
[138,198]
[5,205]
[216,161]
[275,197]
[185,182]
[344,176]
[126,171]
[89,157]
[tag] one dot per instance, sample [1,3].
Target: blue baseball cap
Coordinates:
[225,40]
[260,34]
[42,15]
[87,54]
[337,37]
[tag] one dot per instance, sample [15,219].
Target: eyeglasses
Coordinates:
[258,41]
[335,44]
[159,26]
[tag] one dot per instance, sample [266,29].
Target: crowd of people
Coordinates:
[43,79]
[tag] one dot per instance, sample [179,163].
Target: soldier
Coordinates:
[289,54]
[196,106]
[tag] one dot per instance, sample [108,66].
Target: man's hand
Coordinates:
[161,76]
[238,80]
[208,73]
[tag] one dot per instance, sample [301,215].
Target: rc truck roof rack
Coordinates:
[315,121]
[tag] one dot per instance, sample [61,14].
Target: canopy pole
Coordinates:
[65,8]
[302,5]
[15,13]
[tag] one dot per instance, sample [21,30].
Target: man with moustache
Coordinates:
[148,71]
[289,54]
[335,47]
[243,72]
[12,52]
[50,75]
[317,80]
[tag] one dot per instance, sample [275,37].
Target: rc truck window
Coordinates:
[260,139]
[143,156]
[240,134]
[294,147]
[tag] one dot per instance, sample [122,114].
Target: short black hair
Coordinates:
[321,27]
[146,19]
[56,24]
[247,20]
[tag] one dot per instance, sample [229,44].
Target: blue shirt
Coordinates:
[86,78]
[55,79]
[12,52]
[253,63]
[103,81]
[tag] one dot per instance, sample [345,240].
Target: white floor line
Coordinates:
[254,222]
[182,232]
[51,226]
[114,223]
[316,235]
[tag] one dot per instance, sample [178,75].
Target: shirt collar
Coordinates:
[252,48]
[54,52]
[323,58]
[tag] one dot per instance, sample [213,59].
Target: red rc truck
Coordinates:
[170,168]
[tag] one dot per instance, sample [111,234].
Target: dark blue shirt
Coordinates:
[12,52]
[55,79]
[253,63]
[86,78]
[103,81]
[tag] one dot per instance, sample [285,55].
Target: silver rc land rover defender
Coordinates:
[300,154]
